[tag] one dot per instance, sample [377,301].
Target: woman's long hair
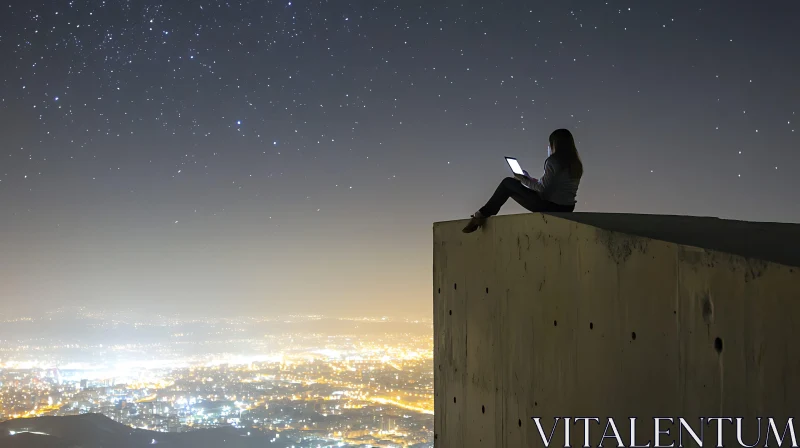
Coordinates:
[566,152]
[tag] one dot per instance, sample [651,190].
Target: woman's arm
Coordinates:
[541,185]
[525,179]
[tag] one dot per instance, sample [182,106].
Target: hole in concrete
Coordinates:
[536,403]
[455,286]
[674,312]
[487,290]
[555,323]
[591,326]
[519,422]
[633,335]
[718,345]
[440,290]
[483,409]
[451,312]
[454,399]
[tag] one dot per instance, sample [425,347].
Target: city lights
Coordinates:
[310,387]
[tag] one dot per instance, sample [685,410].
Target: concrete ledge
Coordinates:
[611,315]
[770,241]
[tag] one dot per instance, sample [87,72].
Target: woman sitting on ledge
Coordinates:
[554,192]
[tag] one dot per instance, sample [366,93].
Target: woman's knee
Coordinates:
[509,181]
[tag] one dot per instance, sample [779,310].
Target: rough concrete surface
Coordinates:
[599,315]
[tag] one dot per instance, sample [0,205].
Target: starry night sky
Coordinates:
[241,157]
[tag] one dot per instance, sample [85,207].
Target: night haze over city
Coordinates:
[208,195]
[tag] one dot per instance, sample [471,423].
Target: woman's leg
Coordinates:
[512,188]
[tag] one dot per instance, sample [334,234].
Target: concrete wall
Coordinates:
[538,315]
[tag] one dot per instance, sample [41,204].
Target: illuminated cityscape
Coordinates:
[341,382]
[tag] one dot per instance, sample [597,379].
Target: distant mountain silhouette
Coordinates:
[28,440]
[99,431]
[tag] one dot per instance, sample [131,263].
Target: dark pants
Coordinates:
[512,188]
